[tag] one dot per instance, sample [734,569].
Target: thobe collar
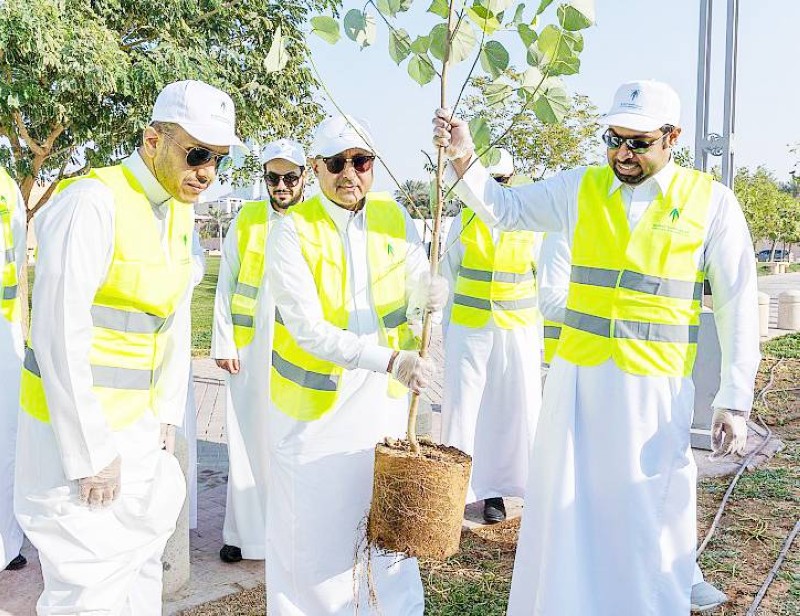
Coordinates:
[340,216]
[154,192]
[662,180]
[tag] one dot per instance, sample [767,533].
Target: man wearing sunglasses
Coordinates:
[346,268]
[612,528]
[242,344]
[492,387]
[97,493]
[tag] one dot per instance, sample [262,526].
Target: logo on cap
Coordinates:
[223,107]
[634,95]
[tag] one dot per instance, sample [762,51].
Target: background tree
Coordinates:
[79,77]
[539,148]
[414,195]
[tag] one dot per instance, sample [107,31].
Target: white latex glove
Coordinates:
[428,294]
[102,489]
[412,370]
[728,432]
[168,437]
[452,133]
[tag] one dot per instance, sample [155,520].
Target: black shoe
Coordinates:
[494,510]
[17,563]
[230,554]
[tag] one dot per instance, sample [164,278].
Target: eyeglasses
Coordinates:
[635,145]
[336,164]
[501,179]
[290,180]
[197,156]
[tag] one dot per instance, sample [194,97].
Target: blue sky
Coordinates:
[633,39]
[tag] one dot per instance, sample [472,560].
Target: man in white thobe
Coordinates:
[96,492]
[492,390]
[610,528]
[12,262]
[322,459]
[242,346]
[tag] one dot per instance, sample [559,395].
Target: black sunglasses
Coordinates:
[635,145]
[290,180]
[197,156]
[336,164]
[501,179]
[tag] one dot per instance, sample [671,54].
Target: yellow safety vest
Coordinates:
[497,281]
[9,300]
[302,385]
[552,332]
[252,226]
[635,296]
[132,310]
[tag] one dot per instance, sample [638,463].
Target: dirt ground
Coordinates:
[760,514]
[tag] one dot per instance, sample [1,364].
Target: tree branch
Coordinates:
[25,135]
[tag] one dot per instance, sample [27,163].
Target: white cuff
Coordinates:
[375,358]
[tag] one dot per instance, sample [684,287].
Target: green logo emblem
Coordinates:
[185,239]
[389,249]
[674,214]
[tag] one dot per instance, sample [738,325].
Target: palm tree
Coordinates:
[414,195]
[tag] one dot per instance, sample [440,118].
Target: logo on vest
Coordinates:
[674,214]
[389,249]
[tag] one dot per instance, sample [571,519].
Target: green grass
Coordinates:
[763,269]
[787,346]
[203,309]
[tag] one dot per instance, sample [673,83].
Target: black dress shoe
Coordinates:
[494,510]
[17,563]
[230,554]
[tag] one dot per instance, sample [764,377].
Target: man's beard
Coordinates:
[285,206]
[632,180]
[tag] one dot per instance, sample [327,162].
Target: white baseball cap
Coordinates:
[505,166]
[644,106]
[203,111]
[341,133]
[285,149]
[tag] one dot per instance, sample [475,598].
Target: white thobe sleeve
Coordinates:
[452,256]
[547,205]
[554,272]
[731,270]
[176,369]
[295,294]
[222,344]
[76,243]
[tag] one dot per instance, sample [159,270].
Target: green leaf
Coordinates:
[518,14]
[543,6]
[484,19]
[462,43]
[421,44]
[277,56]
[399,45]
[421,70]
[493,6]
[532,80]
[576,14]
[551,106]
[497,94]
[481,133]
[527,34]
[360,27]
[494,58]
[440,8]
[490,157]
[389,7]
[327,28]
[559,50]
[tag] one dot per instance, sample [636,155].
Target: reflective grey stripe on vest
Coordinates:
[10,257]
[113,377]
[664,287]
[484,276]
[30,364]
[304,378]
[552,331]
[129,321]
[595,276]
[246,290]
[10,292]
[395,318]
[588,323]
[485,304]
[656,332]
[242,320]
[278,317]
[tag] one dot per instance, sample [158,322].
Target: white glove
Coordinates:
[452,133]
[167,438]
[103,488]
[412,370]
[428,294]
[728,432]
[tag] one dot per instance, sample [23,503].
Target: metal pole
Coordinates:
[731,46]
[703,85]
